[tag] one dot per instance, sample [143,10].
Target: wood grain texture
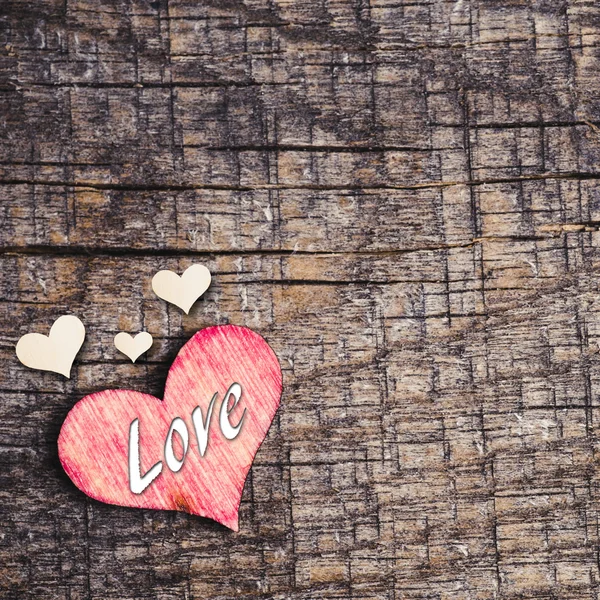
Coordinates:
[402,198]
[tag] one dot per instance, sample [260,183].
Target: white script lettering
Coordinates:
[138,482]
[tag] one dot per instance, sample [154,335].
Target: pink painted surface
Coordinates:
[93,441]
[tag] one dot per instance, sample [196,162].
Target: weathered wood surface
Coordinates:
[402,198]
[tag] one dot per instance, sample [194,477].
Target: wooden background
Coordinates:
[403,198]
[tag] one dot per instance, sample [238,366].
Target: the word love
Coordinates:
[138,482]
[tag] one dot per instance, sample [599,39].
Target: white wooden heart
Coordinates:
[56,351]
[182,291]
[133,347]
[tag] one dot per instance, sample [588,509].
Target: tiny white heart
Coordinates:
[56,351]
[182,291]
[133,347]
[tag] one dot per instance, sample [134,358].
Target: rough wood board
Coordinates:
[402,198]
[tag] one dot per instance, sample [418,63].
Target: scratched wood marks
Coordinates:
[402,198]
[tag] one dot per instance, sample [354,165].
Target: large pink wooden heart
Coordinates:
[112,441]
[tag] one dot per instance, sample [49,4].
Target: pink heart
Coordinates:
[97,444]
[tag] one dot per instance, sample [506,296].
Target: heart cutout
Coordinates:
[182,291]
[133,347]
[56,351]
[112,441]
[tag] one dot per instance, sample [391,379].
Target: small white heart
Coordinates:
[56,351]
[133,347]
[182,291]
